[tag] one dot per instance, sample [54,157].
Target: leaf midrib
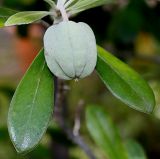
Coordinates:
[25,16]
[34,98]
[124,81]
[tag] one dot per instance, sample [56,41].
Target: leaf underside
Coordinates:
[25,17]
[76,6]
[5,13]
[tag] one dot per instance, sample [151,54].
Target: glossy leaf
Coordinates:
[76,6]
[25,17]
[135,151]
[31,106]
[5,13]
[104,133]
[124,83]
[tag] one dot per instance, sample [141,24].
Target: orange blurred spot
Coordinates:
[28,47]
[145,44]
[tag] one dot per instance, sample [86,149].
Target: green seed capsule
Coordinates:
[70,50]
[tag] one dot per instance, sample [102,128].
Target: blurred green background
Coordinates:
[130,29]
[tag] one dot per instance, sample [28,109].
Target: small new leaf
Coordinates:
[26,17]
[51,3]
[124,83]
[5,13]
[70,2]
[76,6]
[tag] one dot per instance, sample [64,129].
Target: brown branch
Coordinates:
[60,116]
[44,23]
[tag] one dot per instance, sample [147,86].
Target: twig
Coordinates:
[79,141]
[59,114]
[45,24]
[78,114]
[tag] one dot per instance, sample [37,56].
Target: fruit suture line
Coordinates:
[68,48]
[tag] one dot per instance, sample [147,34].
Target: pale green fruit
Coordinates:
[70,50]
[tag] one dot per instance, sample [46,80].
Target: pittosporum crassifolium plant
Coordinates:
[70,53]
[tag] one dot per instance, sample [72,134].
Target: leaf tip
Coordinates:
[22,151]
[7,23]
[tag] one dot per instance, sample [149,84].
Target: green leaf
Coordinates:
[31,106]
[124,83]
[106,136]
[70,3]
[104,133]
[51,3]
[5,13]
[135,151]
[25,17]
[76,6]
